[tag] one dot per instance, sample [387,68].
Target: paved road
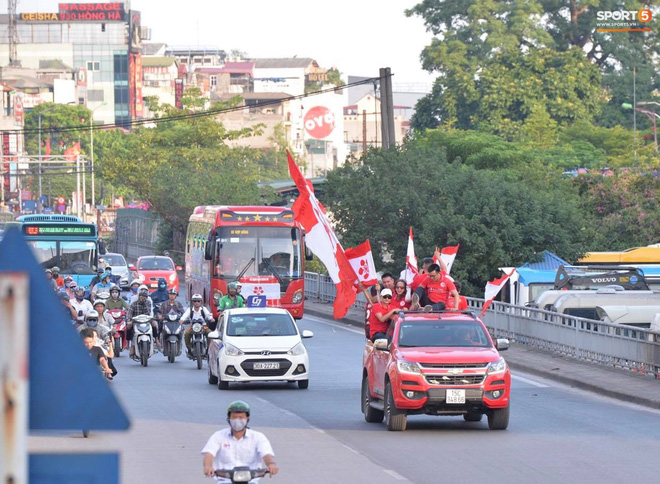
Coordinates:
[556,434]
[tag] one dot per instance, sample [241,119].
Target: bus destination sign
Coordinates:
[58,230]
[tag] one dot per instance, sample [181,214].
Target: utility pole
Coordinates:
[387,108]
[364,131]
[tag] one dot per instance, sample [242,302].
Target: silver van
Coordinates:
[647,317]
[584,304]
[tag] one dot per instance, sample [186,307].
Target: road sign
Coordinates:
[61,200]
[256,301]
[61,208]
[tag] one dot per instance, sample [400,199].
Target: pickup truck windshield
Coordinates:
[442,334]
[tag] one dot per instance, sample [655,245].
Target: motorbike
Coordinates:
[119,330]
[171,336]
[241,474]
[143,338]
[198,341]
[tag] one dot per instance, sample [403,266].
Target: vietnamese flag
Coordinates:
[493,288]
[322,241]
[448,254]
[362,261]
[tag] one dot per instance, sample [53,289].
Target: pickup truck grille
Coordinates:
[476,366]
[474,379]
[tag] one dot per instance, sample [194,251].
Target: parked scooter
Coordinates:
[119,330]
[171,336]
[143,338]
[198,342]
[241,474]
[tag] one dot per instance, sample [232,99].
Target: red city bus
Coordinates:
[262,247]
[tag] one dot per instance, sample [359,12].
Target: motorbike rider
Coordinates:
[239,286]
[171,304]
[103,286]
[104,340]
[51,282]
[160,295]
[104,316]
[97,278]
[196,313]
[141,306]
[115,302]
[232,299]
[59,280]
[66,302]
[134,287]
[70,287]
[237,445]
[81,305]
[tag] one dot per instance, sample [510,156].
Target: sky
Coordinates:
[356,36]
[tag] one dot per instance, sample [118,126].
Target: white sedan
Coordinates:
[258,344]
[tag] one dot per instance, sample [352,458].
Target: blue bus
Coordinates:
[64,241]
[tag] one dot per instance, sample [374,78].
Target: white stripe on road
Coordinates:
[394,474]
[335,325]
[529,382]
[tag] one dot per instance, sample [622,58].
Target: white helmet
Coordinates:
[99,301]
[197,297]
[92,316]
[136,281]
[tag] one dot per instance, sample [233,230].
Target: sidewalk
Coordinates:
[611,382]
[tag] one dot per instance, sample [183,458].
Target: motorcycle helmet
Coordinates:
[115,288]
[143,291]
[92,318]
[238,406]
[55,270]
[232,285]
[80,292]
[99,301]
[197,297]
[135,283]
[172,291]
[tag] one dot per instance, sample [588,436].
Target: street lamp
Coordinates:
[91,135]
[651,114]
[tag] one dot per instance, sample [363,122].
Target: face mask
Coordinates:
[134,290]
[92,324]
[238,424]
[67,284]
[79,298]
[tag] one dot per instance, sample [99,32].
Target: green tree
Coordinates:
[179,164]
[499,218]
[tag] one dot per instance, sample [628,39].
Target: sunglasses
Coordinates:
[400,287]
[386,297]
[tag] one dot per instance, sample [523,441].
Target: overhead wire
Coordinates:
[189,115]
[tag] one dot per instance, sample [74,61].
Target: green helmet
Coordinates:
[232,285]
[238,406]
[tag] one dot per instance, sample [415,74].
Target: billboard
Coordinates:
[178,93]
[79,12]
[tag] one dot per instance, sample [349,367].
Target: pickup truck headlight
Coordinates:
[231,350]
[408,367]
[297,350]
[498,366]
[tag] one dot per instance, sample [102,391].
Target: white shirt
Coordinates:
[192,314]
[85,306]
[228,452]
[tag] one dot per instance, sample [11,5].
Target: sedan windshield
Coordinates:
[261,325]
[443,334]
[114,259]
[156,264]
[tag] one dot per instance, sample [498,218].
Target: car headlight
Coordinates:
[197,327]
[172,277]
[297,297]
[297,350]
[408,367]
[498,366]
[231,350]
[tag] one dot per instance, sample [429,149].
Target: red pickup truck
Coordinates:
[436,363]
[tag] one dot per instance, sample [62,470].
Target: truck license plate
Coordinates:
[455,396]
[266,366]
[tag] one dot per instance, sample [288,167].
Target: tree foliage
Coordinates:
[497,60]
[179,164]
[500,218]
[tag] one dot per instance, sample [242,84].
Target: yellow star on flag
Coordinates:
[257,218]
[240,219]
[267,219]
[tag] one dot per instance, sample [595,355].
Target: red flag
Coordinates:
[322,241]
[493,288]
[47,147]
[448,254]
[362,261]
[411,260]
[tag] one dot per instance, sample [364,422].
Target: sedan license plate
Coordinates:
[266,366]
[455,396]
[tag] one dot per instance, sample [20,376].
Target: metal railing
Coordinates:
[603,343]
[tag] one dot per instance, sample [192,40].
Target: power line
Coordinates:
[193,115]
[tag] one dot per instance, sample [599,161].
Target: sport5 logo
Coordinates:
[625,15]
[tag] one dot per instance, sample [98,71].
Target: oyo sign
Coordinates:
[319,122]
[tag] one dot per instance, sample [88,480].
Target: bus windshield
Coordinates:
[72,257]
[258,251]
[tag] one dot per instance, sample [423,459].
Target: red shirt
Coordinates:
[400,303]
[375,324]
[59,281]
[462,303]
[417,281]
[438,292]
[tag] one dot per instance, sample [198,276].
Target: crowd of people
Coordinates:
[431,289]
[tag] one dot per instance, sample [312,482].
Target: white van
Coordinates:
[647,317]
[547,299]
[584,303]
